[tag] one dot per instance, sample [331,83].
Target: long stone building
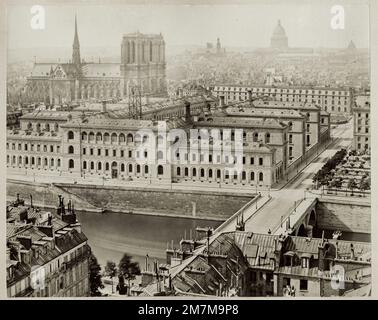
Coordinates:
[142,65]
[185,140]
[336,101]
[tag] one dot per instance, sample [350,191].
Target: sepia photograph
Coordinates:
[203,149]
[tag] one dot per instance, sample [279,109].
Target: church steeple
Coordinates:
[76,47]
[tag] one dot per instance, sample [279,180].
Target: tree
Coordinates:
[95,281]
[352,185]
[128,269]
[111,271]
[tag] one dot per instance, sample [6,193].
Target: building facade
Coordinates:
[47,253]
[361,123]
[102,145]
[336,101]
[142,65]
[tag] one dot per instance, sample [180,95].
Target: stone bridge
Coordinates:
[301,220]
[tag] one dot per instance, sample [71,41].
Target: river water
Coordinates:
[110,235]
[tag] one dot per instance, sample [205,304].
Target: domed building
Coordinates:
[279,38]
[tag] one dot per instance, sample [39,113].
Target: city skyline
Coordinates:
[304,27]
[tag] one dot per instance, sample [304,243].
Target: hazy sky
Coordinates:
[236,25]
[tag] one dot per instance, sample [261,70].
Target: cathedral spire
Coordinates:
[76,47]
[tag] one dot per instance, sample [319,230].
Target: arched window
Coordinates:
[202,172]
[150,50]
[121,138]
[91,137]
[32,161]
[122,167]
[255,137]
[194,172]
[56,127]
[38,127]
[186,172]
[252,176]
[30,126]
[178,171]
[160,155]
[267,138]
[130,138]
[114,138]
[92,165]
[71,164]
[107,166]
[132,52]
[99,166]
[210,173]
[70,135]
[58,162]
[71,150]
[51,162]
[218,174]
[26,161]
[160,170]
[106,137]
[47,127]
[84,165]
[138,168]
[84,136]
[261,176]
[146,169]
[244,176]
[130,168]
[98,136]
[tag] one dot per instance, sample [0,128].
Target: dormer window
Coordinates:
[305,262]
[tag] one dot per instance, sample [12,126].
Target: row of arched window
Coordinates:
[43,127]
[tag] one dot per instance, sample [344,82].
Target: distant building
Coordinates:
[142,64]
[279,39]
[47,253]
[336,101]
[361,123]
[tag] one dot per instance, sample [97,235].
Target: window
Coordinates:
[114,153]
[91,151]
[252,160]
[70,135]
[71,164]
[160,170]
[261,176]
[261,161]
[70,149]
[99,152]
[305,262]
[267,138]
[303,285]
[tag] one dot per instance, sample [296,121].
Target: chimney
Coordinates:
[321,254]
[47,230]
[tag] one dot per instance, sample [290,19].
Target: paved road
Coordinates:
[283,201]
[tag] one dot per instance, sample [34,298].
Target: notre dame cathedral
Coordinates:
[142,64]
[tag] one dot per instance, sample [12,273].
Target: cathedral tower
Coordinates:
[76,48]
